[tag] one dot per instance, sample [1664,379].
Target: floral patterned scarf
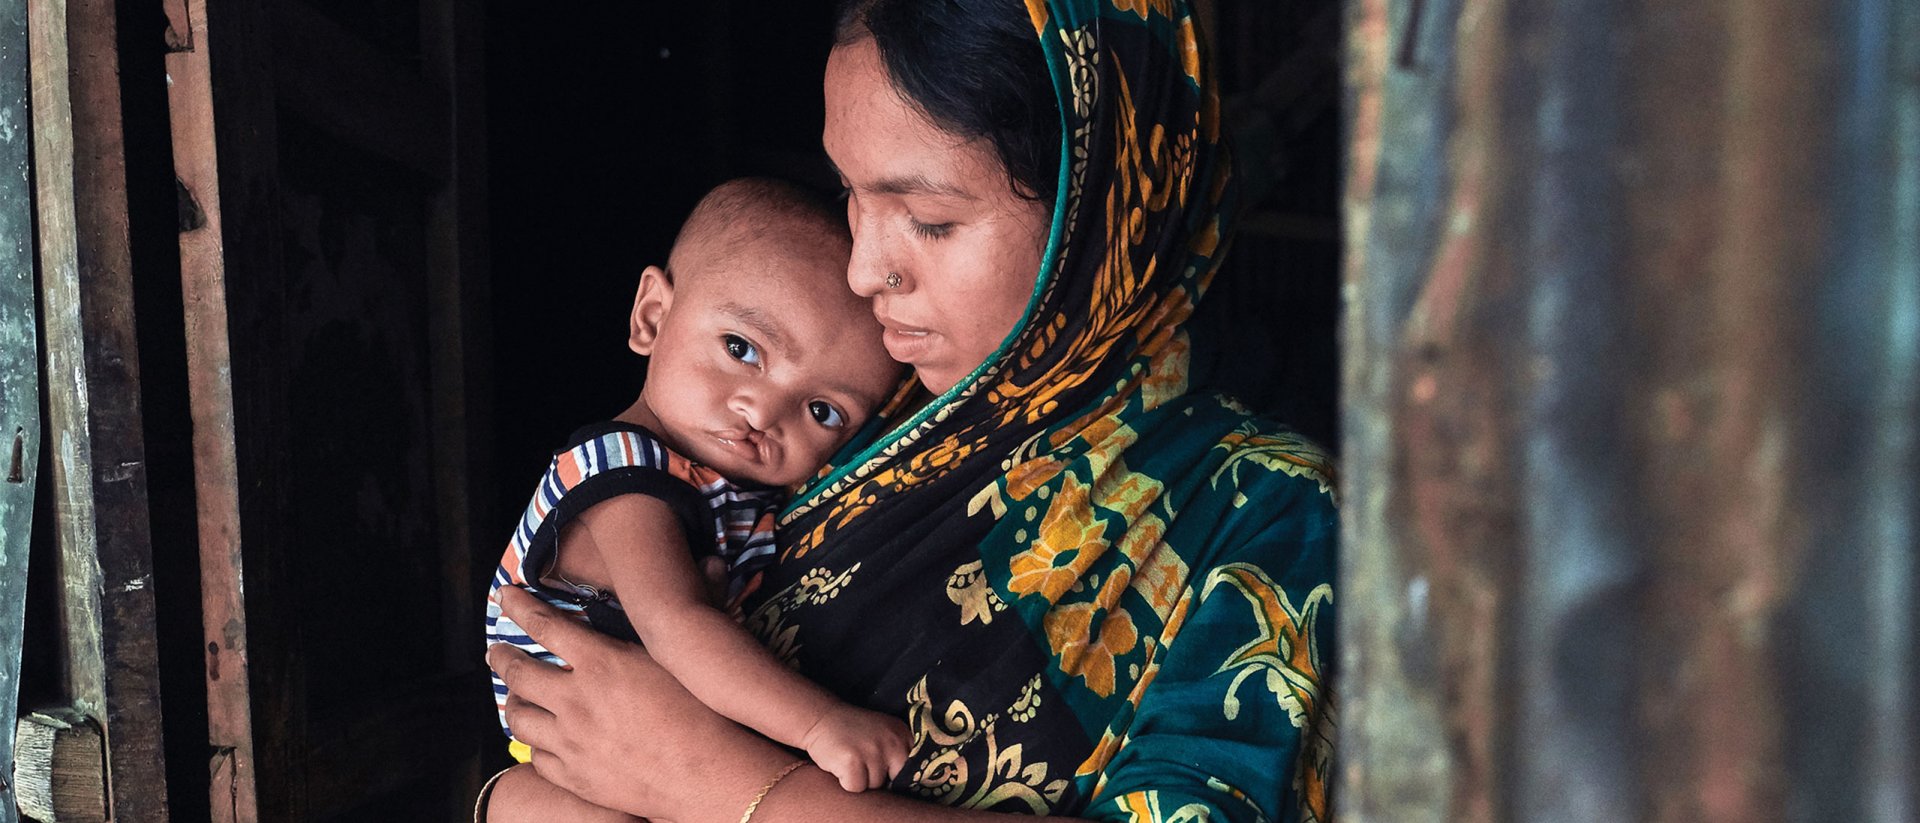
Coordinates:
[1087,589]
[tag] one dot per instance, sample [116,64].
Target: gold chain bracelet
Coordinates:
[747,816]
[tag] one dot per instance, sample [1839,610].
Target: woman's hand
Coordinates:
[618,731]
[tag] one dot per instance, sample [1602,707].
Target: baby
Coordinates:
[762,363]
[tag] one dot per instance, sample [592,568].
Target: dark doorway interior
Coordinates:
[607,121]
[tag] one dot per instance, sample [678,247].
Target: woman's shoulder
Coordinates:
[1261,492]
[1263,450]
[1254,456]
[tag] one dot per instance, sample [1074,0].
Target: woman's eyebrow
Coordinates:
[905,184]
[919,184]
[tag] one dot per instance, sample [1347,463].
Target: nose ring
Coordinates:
[893,280]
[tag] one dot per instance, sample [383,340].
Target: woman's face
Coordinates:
[937,211]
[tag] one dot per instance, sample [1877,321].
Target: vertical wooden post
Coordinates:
[232,757]
[1633,411]
[98,470]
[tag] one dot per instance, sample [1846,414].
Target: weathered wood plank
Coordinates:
[225,155]
[232,763]
[20,430]
[61,769]
[98,470]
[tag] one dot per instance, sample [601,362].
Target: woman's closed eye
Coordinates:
[826,415]
[739,349]
[931,231]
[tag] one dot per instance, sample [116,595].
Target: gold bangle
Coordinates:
[747,816]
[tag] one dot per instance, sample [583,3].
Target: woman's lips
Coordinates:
[904,343]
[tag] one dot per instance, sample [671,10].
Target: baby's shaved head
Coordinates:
[760,215]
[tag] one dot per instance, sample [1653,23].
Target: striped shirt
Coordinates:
[601,461]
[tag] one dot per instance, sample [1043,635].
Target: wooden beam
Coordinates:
[225,160]
[216,481]
[98,473]
[61,770]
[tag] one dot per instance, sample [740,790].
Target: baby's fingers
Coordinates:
[852,778]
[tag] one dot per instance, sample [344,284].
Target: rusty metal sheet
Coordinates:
[19,376]
[1633,398]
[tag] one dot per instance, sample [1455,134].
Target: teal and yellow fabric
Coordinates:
[1090,590]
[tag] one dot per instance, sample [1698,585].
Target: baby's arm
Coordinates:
[637,544]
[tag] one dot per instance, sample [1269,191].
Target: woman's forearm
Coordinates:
[809,794]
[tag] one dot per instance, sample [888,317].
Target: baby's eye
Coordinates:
[826,415]
[739,349]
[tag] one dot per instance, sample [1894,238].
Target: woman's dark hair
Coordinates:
[974,68]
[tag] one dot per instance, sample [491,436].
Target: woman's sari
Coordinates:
[1089,591]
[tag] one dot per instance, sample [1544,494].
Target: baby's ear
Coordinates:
[650,304]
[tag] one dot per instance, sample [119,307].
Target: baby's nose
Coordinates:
[755,412]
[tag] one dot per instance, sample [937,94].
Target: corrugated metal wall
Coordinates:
[1632,411]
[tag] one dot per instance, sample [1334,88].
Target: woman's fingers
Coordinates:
[531,723]
[526,678]
[550,627]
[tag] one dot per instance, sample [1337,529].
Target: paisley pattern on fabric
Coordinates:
[944,773]
[814,588]
[1067,556]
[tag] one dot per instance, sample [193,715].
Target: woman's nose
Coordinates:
[867,269]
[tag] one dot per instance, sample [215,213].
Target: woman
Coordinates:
[1089,591]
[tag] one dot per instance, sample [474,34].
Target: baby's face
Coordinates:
[765,364]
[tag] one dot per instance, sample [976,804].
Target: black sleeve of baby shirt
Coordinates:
[688,505]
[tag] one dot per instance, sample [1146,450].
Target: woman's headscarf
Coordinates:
[1106,503]
[1142,207]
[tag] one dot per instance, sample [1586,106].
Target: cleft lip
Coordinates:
[746,443]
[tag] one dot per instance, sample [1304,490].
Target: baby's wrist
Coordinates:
[821,722]
[826,714]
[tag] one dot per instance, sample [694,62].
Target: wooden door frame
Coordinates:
[226,156]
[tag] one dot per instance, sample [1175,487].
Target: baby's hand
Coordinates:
[862,748]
